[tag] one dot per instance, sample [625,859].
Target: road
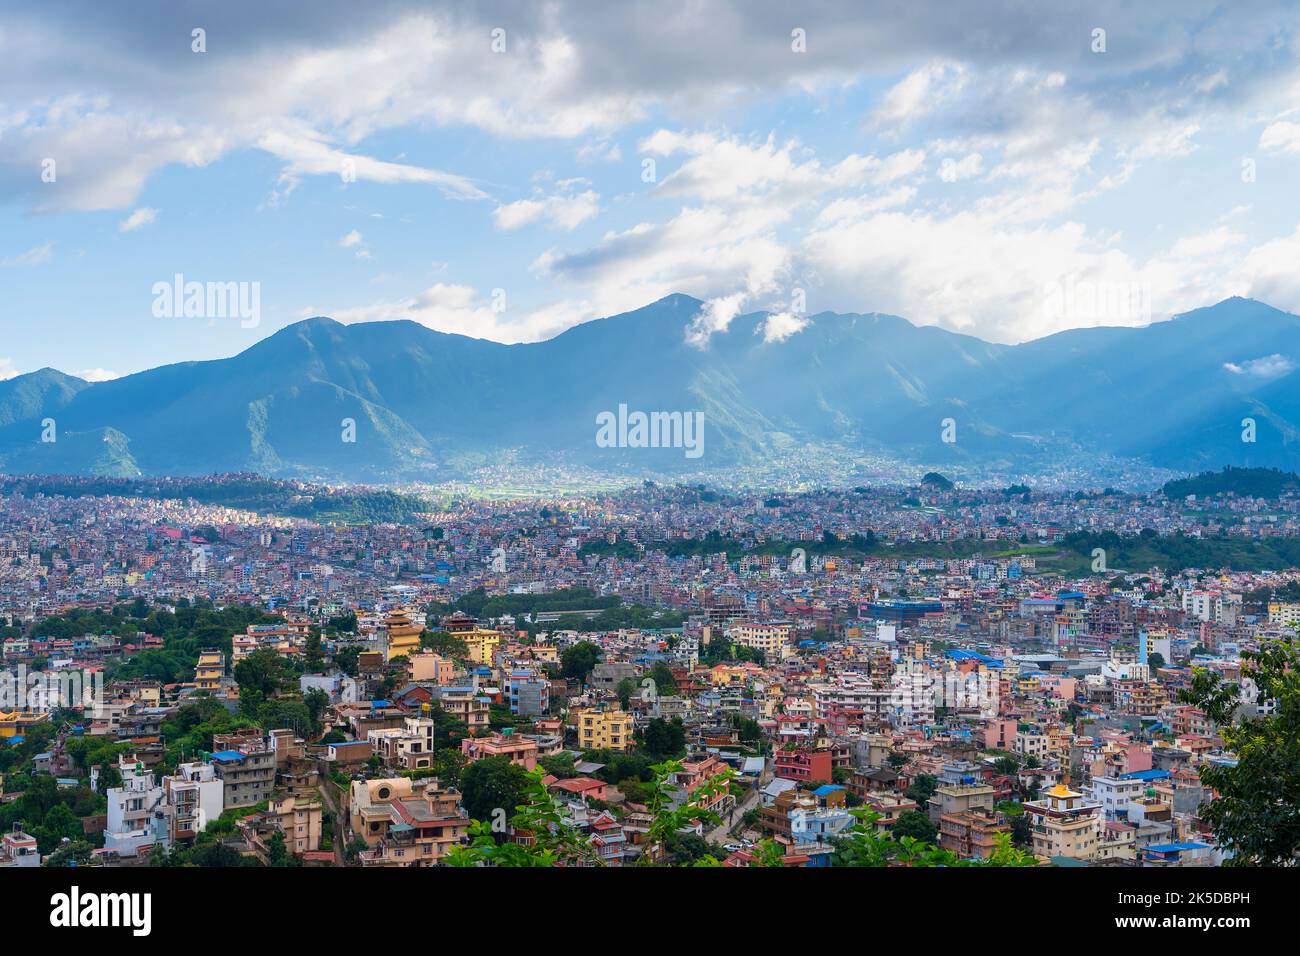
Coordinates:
[327,794]
[722,834]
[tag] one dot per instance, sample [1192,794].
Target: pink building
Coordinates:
[520,750]
[1000,734]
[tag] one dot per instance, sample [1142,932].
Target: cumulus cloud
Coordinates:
[779,326]
[729,168]
[970,207]
[97,374]
[461,310]
[562,210]
[919,93]
[138,219]
[1266,367]
[1282,137]
[312,92]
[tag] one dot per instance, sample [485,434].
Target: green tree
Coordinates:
[73,853]
[666,820]
[553,839]
[312,659]
[578,660]
[626,688]
[260,675]
[922,788]
[1007,766]
[663,738]
[1257,812]
[665,682]
[492,784]
[913,823]
[445,643]
[864,845]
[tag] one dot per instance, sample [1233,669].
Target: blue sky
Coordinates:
[996,174]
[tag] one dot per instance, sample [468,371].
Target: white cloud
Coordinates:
[459,309]
[1267,367]
[138,219]
[955,170]
[305,153]
[601,151]
[1281,137]
[779,326]
[7,369]
[728,256]
[36,256]
[565,211]
[921,92]
[97,374]
[727,168]
[352,239]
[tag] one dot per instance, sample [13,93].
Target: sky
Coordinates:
[508,170]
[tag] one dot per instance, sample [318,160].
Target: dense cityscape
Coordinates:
[672,675]
[619,443]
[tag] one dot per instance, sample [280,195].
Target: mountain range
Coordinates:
[431,406]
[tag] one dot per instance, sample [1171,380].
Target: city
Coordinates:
[640,441]
[788,678]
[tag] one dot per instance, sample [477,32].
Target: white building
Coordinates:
[1116,794]
[194,797]
[136,817]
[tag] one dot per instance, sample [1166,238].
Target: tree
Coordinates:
[1155,660]
[72,853]
[59,823]
[1257,812]
[665,821]
[276,853]
[579,660]
[922,788]
[864,845]
[316,701]
[768,853]
[490,785]
[913,823]
[346,659]
[688,849]
[1021,832]
[312,659]
[664,738]
[445,643]
[554,840]
[558,765]
[626,688]
[665,682]
[1007,766]
[259,676]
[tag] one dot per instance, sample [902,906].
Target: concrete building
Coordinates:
[1065,823]
[404,822]
[247,772]
[604,729]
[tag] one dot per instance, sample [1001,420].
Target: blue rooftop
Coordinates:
[225,756]
[1145,775]
[960,655]
[1178,847]
[827,788]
